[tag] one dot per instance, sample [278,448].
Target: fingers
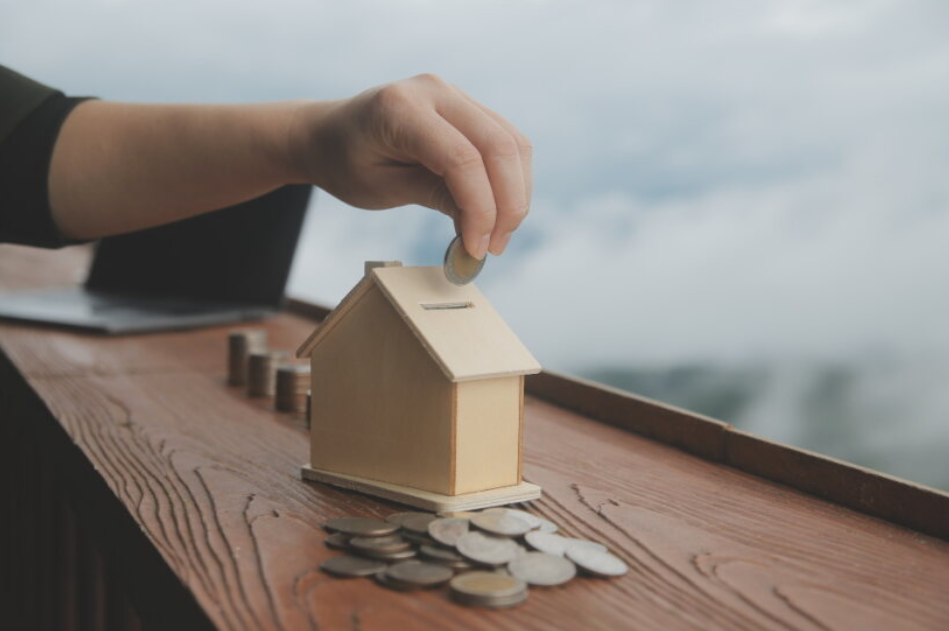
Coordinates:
[447,152]
[524,145]
[482,160]
[501,156]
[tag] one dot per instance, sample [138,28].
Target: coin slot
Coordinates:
[445,306]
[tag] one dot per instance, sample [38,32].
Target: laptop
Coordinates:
[229,265]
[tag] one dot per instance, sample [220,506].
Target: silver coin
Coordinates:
[447,531]
[386,555]
[532,520]
[383,579]
[482,548]
[418,524]
[597,563]
[547,543]
[382,545]
[537,568]
[460,267]
[348,567]
[503,524]
[572,542]
[445,556]
[418,539]
[360,526]
[419,574]
[337,541]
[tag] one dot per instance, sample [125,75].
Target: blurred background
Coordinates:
[741,207]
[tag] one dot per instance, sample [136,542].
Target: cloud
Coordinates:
[721,181]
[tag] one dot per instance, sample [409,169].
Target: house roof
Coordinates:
[458,327]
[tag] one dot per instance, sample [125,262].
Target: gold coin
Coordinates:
[460,267]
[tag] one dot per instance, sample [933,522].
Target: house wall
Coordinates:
[381,407]
[488,433]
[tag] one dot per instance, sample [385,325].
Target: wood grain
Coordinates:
[179,466]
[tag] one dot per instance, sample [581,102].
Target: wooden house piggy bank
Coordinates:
[418,394]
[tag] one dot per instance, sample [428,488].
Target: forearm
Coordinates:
[118,167]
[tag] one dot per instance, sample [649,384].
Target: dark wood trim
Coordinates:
[870,492]
[101,571]
[864,490]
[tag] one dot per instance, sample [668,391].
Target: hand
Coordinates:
[419,141]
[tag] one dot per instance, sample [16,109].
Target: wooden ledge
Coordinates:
[147,494]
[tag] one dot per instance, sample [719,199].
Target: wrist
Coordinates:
[305,141]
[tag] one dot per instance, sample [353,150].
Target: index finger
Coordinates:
[445,151]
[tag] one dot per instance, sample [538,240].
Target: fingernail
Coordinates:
[483,247]
[500,244]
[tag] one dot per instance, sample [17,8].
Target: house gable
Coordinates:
[381,407]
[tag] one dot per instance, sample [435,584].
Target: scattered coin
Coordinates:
[546,542]
[537,568]
[398,518]
[596,562]
[447,544]
[418,574]
[447,531]
[418,524]
[383,579]
[503,524]
[445,556]
[381,545]
[337,541]
[348,567]
[460,267]
[488,589]
[584,544]
[421,540]
[532,520]
[361,526]
[383,555]
[482,548]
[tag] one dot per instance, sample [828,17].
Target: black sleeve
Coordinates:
[31,115]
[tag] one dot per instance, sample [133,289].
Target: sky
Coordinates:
[727,182]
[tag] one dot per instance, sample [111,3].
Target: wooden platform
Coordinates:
[143,492]
[425,500]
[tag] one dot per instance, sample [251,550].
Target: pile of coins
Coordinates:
[268,373]
[487,558]
[262,372]
[293,382]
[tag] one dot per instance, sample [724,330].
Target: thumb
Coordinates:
[418,185]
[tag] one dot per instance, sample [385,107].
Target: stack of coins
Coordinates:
[262,372]
[240,344]
[309,407]
[488,558]
[293,383]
